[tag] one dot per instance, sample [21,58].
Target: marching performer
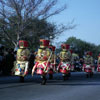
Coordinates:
[21,63]
[75,61]
[52,62]
[88,66]
[42,60]
[65,60]
[88,59]
[98,63]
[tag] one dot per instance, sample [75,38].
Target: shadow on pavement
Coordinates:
[74,80]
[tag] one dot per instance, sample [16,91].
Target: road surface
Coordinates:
[78,87]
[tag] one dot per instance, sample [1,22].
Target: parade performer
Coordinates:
[98,63]
[52,62]
[65,60]
[42,60]
[75,61]
[88,64]
[21,63]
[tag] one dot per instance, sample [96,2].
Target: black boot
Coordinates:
[21,79]
[50,76]
[43,80]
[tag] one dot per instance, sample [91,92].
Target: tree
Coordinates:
[81,47]
[33,32]
[17,16]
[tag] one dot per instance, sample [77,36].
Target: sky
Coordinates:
[86,15]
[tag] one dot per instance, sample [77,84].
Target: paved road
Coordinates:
[78,87]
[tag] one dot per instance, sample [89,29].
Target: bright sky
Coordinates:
[86,14]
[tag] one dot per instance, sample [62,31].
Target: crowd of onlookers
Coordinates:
[7,57]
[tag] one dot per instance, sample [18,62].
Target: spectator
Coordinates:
[31,61]
[8,62]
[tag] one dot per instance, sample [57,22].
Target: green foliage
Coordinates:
[81,47]
[33,32]
[27,19]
